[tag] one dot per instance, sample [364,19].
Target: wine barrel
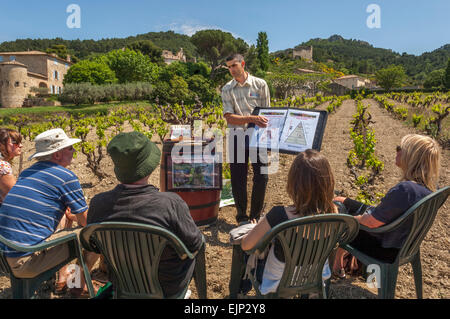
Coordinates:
[203,204]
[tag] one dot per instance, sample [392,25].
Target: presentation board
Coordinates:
[290,130]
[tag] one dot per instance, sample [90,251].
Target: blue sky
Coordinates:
[406,26]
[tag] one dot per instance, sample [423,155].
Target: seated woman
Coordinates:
[418,157]
[310,185]
[10,147]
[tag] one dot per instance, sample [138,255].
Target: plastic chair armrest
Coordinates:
[44,245]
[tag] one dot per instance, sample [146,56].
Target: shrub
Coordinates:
[86,93]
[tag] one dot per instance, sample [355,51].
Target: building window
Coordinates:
[12,58]
[25,84]
[56,75]
[16,84]
[1,59]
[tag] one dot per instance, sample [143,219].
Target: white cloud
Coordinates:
[191,28]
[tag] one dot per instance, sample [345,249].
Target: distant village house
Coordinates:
[21,71]
[345,84]
[353,82]
[169,57]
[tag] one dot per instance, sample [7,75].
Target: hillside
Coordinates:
[83,48]
[361,57]
[347,55]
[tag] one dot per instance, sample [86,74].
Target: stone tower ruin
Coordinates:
[13,86]
[305,52]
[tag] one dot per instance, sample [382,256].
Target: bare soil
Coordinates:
[336,145]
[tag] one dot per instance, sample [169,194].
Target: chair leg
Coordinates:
[417,271]
[388,281]
[200,273]
[237,271]
[326,289]
[86,273]
[23,288]
[17,287]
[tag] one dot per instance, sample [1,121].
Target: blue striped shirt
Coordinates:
[35,205]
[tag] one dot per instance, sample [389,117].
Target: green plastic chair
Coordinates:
[307,243]
[422,214]
[25,288]
[132,252]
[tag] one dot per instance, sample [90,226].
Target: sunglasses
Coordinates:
[398,148]
[14,142]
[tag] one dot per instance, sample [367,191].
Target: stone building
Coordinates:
[305,52]
[20,71]
[353,82]
[169,57]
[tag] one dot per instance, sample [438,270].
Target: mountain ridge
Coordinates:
[350,55]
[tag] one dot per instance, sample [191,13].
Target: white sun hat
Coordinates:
[51,141]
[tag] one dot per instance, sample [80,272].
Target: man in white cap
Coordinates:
[33,209]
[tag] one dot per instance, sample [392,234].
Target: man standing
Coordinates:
[33,209]
[134,200]
[240,96]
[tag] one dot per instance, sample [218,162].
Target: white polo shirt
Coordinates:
[241,99]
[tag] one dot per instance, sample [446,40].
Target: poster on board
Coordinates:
[289,130]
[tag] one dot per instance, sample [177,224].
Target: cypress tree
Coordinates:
[262,47]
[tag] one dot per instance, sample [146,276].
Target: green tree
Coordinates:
[434,79]
[147,47]
[92,72]
[216,45]
[200,68]
[252,63]
[175,68]
[262,46]
[201,87]
[391,77]
[59,49]
[131,66]
[176,90]
[446,80]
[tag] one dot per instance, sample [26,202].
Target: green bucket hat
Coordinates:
[134,156]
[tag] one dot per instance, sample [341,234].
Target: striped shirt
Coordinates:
[242,99]
[35,205]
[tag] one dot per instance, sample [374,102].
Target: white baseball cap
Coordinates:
[51,141]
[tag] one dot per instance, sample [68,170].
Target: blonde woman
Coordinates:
[419,159]
[10,147]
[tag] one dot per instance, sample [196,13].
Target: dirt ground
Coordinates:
[336,145]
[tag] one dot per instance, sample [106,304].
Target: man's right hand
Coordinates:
[259,120]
